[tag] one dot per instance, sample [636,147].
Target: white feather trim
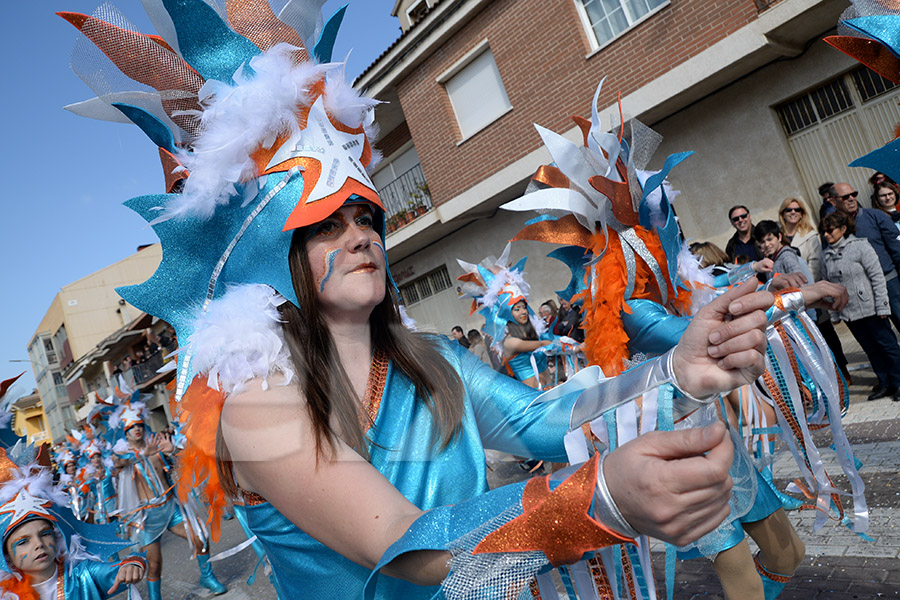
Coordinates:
[38,481]
[689,270]
[122,447]
[260,107]
[407,320]
[239,338]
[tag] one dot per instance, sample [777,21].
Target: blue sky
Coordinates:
[65,177]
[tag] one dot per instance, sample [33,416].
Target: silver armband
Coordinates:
[786,304]
[605,509]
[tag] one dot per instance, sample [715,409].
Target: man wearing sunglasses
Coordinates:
[877,227]
[741,243]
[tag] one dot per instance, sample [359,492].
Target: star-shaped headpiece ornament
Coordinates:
[24,507]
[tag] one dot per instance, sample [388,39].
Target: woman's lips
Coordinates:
[365,268]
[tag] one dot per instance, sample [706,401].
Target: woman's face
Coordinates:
[520,312]
[833,236]
[792,213]
[347,260]
[886,198]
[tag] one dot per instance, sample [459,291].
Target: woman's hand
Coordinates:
[683,487]
[724,346]
[825,295]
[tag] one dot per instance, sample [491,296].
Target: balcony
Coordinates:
[405,199]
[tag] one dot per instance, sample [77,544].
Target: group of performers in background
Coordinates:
[296,358]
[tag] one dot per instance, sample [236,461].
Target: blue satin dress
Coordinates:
[652,330]
[90,580]
[402,449]
[519,365]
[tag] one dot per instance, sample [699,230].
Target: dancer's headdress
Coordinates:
[869,31]
[128,414]
[495,288]
[259,134]
[598,198]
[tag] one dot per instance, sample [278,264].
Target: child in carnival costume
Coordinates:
[500,294]
[265,149]
[97,478]
[641,286]
[48,554]
[147,505]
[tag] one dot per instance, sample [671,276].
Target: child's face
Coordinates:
[770,244]
[31,548]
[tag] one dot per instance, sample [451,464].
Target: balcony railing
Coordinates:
[405,198]
[147,370]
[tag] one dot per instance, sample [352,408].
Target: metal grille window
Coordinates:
[609,18]
[425,286]
[871,84]
[830,99]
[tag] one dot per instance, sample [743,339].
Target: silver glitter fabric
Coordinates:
[491,575]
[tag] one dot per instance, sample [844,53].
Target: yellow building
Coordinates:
[29,420]
[81,315]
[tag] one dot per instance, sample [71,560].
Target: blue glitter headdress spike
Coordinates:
[576,258]
[257,138]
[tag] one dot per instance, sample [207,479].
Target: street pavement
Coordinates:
[839,565]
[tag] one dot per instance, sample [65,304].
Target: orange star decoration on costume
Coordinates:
[557,523]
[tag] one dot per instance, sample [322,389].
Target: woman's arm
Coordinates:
[272,444]
[872,267]
[514,345]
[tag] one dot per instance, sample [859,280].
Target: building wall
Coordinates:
[547,56]
[475,241]
[742,155]
[91,303]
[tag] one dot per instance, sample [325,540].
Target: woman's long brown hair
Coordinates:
[333,405]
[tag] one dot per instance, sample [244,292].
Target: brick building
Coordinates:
[770,110]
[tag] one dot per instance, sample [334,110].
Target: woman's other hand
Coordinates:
[724,346]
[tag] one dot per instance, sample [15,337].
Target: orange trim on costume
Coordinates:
[255,20]
[552,176]
[557,523]
[203,408]
[566,230]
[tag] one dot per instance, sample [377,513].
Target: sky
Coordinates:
[65,177]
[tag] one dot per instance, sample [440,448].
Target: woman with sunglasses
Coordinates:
[853,263]
[885,198]
[800,233]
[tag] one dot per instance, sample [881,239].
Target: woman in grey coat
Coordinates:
[851,262]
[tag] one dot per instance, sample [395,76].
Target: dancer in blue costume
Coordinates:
[147,506]
[500,293]
[296,350]
[641,286]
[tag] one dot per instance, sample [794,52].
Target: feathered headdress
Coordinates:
[495,287]
[258,132]
[598,198]
[869,31]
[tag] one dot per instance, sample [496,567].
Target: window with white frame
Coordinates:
[476,90]
[606,19]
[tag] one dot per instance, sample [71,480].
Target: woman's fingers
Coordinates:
[738,334]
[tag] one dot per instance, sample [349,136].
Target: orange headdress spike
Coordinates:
[255,20]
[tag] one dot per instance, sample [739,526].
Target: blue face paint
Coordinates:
[329,267]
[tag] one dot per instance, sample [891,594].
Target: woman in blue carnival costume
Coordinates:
[500,293]
[97,477]
[356,444]
[641,286]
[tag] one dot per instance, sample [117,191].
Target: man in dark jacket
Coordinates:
[741,243]
[877,227]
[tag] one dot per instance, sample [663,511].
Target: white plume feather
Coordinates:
[239,338]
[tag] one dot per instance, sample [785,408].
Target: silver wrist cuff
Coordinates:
[611,393]
[605,509]
[786,304]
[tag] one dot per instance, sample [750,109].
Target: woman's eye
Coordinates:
[365,221]
[326,228]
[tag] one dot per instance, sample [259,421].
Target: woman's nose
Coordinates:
[357,237]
